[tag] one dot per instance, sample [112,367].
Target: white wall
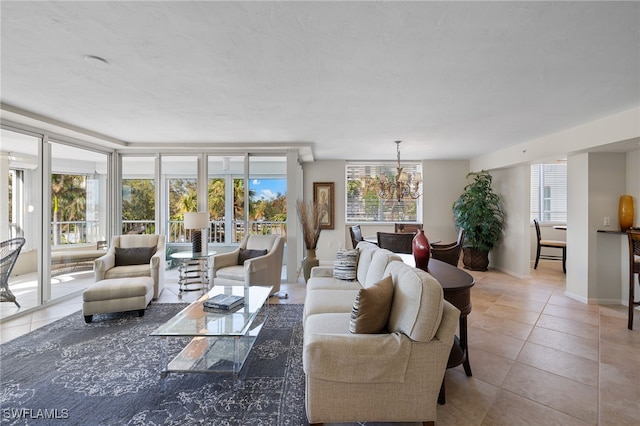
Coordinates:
[513,252]
[443,184]
[595,182]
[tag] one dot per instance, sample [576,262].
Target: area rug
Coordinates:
[108,373]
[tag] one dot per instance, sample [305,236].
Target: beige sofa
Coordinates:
[262,270]
[393,376]
[105,267]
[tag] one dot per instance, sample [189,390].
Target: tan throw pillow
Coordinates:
[371,309]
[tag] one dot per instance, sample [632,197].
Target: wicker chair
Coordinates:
[449,253]
[356,235]
[634,269]
[397,243]
[9,252]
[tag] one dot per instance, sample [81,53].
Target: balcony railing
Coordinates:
[84,232]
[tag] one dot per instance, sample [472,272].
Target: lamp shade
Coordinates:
[199,220]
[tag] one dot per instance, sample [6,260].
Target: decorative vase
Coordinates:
[421,250]
[625,212]
[309,261]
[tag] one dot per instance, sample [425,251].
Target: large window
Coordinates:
[364,203]
[549,192]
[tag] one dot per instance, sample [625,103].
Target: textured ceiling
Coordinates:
[453,80]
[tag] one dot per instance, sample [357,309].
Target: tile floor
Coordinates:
[538,357]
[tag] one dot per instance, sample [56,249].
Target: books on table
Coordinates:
[223,301]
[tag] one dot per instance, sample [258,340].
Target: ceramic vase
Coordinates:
[309,261]
[625,212]
[421,250]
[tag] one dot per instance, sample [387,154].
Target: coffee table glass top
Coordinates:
[194,320]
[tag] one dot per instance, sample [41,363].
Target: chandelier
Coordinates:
[404,185]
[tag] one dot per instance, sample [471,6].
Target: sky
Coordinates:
[268,188]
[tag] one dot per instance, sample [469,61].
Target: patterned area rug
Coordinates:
[108,373]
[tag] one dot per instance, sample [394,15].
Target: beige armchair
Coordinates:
[263,269]
[105,268]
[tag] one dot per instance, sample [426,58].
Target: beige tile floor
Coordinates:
[538,357]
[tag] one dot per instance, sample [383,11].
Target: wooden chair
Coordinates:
[551,244]
[634,269]
[449,253]
[356,235]
[408,228]
[397,243]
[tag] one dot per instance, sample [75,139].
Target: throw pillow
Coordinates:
[249,254]
[133,255]
[371,309]
[345,265]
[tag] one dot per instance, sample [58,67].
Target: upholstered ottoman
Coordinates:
[117,295]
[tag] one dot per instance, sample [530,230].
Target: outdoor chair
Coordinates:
[9,252]
[449,253]
[397,243]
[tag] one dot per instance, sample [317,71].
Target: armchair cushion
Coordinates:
[246,254]
[133,255]
[370,311]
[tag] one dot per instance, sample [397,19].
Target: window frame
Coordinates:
[389,168]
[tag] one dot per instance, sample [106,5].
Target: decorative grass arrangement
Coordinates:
[309,214]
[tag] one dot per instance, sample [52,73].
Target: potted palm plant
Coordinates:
[479,212]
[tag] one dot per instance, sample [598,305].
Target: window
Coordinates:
[364,204]
[549,192]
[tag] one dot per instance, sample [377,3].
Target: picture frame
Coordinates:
[324,196]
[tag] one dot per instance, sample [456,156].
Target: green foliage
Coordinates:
[479,212]
[138,201]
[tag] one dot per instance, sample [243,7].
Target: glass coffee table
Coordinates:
[220,340]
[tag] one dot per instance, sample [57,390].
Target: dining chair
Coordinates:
[450,252]
[409,228]
[556,244]
[395,242]
[356,235]
[634,269]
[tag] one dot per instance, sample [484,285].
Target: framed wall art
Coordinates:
[323,195]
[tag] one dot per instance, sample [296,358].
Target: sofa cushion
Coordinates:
[323,301]
[370,311]
[344,267]
[379,261]
[133,255]
[330,283]
[364,259]
[246,254]
[417,304]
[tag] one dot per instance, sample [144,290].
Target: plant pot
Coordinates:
[309,261]
[474,259]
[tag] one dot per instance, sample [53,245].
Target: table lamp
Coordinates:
[196,222]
